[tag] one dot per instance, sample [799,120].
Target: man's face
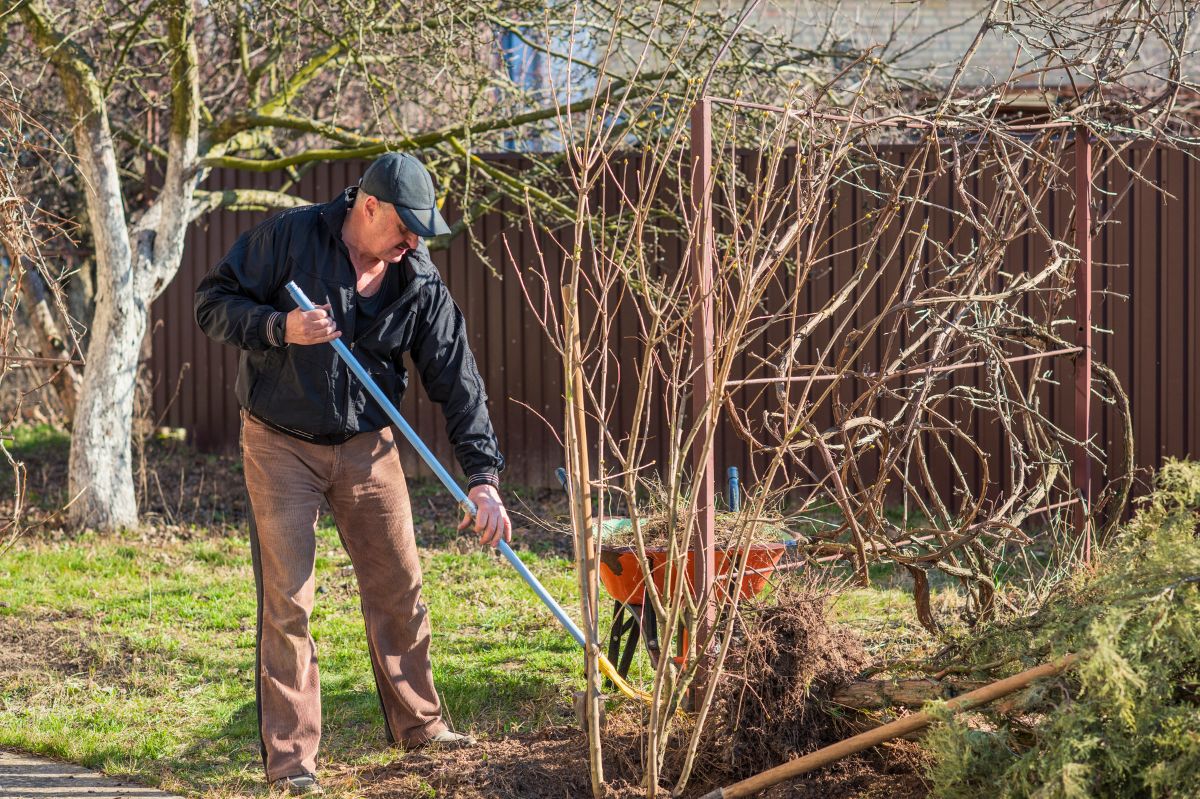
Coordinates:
[390,238]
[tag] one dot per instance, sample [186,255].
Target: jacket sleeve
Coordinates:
[233,300]
[443,358]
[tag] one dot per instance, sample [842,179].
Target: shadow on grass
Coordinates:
[480,700]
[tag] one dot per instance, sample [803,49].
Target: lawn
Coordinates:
[137,657]
[134,653]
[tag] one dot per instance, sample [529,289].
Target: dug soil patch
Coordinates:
[772,705]
[553,764]
[50,648]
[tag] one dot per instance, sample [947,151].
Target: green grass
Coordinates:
[38,438]
[146,652]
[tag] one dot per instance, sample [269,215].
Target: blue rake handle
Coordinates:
[447,480]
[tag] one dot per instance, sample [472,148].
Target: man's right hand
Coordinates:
[311,327]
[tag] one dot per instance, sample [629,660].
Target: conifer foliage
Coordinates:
[1126,721]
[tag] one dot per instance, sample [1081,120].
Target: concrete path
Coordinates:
[29,777]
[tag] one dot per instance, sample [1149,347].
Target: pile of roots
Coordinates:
[772,703]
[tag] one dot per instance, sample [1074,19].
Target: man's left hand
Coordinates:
[491,519]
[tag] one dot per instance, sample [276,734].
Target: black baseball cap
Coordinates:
[402,180]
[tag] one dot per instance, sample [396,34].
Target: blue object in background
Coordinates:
[541,73]
[735,491]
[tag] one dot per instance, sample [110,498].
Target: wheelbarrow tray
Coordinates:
[622,578]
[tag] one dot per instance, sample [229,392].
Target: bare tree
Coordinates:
[154,95]
[846,403]
[25,273]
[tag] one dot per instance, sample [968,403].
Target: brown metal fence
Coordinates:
[1147,305]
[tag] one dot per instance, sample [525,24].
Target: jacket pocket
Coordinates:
[264,376]
[303,395]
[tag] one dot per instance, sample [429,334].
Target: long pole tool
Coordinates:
[464,501]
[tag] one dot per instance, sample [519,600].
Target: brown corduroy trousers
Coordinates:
[362,480]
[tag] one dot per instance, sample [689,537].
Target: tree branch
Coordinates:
[366,146]
[93,135]
[182,144]
[242,200]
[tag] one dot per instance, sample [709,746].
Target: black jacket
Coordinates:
[307,390]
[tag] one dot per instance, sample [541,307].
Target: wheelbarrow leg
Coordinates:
[635,612]
[649,625]
[620,650]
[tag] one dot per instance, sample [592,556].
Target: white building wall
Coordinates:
[924,38]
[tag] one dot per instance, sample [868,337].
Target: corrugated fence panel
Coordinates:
[1147,309]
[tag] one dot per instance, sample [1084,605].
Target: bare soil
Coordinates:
[182,493]
[552,764]
[185,494]
[772,705]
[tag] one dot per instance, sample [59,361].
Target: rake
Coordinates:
[464,501]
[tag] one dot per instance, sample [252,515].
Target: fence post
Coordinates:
[1083,337]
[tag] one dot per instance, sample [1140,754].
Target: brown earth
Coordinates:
[184,494]
[54,645]
[552,764]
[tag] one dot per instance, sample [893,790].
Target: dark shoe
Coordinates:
[451,740]
[299,785]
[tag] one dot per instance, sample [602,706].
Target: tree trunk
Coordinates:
[100,472]
[585,550]
[127,280]
[914,693]
[101,463]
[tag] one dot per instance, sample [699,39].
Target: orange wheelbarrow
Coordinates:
[623,580]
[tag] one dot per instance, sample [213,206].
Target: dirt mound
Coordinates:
[786,666]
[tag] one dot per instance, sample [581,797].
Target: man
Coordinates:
[310,431]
